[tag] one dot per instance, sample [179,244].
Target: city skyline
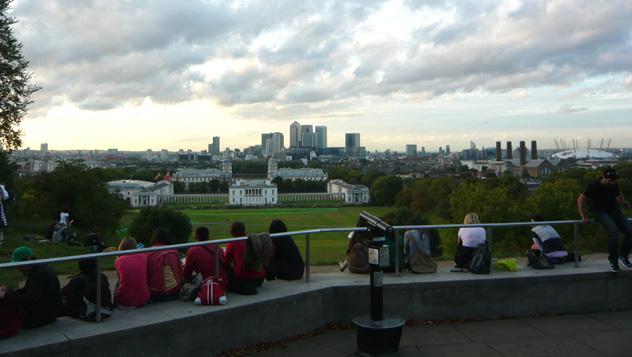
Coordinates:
[398,72]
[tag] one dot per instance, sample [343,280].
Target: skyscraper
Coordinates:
[308,139]
[411,150]
[321,137]
[295,134]
[271,143]
[352,140]
[215,148]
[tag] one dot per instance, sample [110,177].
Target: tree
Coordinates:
[15,87]
[384,190]
[149,219]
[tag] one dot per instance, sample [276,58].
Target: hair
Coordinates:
[161,236]
[471,218]
[277,226]
[88,266]
[537,218]
[127,243]
[237,229]
[202,234]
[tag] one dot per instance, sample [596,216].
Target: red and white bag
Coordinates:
[211,293]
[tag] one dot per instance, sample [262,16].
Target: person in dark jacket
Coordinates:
[79,296]
[40,298]
[287,263]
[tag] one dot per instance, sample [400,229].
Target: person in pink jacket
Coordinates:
[132,289]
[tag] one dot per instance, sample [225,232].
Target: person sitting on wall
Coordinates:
[287,263]
[202,259]
[547,241]
[79,296]
[241,279]
[132,289]
[39,302]
[468,239]
[164,269]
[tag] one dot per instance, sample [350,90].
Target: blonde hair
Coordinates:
[471,218]
[127,243]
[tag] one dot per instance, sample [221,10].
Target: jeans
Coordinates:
[614,222]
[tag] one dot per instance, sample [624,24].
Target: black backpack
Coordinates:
[482,260]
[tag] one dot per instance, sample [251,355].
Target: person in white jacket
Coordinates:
[4,197]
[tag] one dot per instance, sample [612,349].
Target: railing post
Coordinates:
[490,239]
[98,312]
[396,236]
[308,258]
[575,236]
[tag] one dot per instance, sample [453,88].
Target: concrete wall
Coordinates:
[284,309]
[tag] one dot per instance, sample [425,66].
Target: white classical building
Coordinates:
[189,176]
[354,194]
[252,193]
[305,174]
[140,193]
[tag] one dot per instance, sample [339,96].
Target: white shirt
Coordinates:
[63,218]
[4,195]
[472,237]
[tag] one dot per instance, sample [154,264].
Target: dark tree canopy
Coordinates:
[15,87]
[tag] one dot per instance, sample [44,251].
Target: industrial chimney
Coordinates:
[499,152]
[534,150]
[509,151]
[523,153]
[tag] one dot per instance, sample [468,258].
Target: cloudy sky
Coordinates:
[171,74]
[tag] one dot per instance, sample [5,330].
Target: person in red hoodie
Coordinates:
[131,290]
[241,279]
[164,269]
[203,259]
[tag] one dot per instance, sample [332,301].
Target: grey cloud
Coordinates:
[570,109]
[102,54]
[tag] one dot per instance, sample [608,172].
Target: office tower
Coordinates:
[215,149]
[321,137]
[264,139]
[411,150]
[307,137]
[352,140]
[447,149]
[44,147]
[295,135]
[278,142]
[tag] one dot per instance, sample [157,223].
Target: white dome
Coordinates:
[584,154]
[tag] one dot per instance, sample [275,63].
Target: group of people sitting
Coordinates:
[547,246]
[145,277]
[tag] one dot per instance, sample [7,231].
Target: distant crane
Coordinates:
[601,145]
[557,145]
[608,146]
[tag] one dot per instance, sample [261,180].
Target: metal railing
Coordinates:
[308,233]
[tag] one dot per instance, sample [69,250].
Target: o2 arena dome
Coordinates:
[579,154]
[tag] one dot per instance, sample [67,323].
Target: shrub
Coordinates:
[151,218]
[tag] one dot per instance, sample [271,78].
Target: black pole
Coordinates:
[377,287]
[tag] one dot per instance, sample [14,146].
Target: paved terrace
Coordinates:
[283,309]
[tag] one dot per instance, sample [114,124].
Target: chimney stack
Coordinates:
[509,151]
[534,150]
[523,153]
[499,152]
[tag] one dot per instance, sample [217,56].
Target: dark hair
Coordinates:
[88,266]
[237,229]
[161,236]
[202,234]
[537,218]
[277,226]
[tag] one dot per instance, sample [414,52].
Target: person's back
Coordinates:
[472,237]
[234,255]
[40,298]
[287,263]
[133,289]
[202,259]
[164,273]
[549,241]
[79,296]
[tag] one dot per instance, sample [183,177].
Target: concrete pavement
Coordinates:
[594,334]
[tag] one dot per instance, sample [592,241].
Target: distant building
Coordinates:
[305,174]
[189,176]
[352,145]
[252,193]
[271,143]
[308,138]
[140,193]
[295,135]
[44,147]
[321,137]
[215,147]
[354,194]
[411,150]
